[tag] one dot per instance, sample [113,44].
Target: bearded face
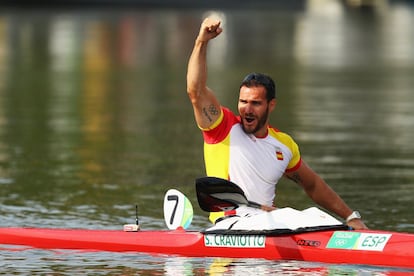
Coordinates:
[254,110]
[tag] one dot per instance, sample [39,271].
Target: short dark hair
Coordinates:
[257,79]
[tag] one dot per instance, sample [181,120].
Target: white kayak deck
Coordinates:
[248,218]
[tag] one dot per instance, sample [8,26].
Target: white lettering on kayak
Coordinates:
[243,241]
[359,241]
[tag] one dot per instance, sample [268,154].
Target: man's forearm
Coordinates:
[329,199]
[197,69]
[197,65]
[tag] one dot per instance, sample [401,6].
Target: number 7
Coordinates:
[171,198]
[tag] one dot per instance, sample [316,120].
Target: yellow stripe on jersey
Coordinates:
[216,157]
[288,141]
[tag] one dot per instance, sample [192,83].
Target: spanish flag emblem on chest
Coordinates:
[279,154]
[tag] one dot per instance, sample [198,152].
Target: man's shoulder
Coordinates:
[288,141]
[222,127]
[283,137]
[230,114]
[228,119]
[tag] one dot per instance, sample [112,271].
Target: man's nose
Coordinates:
[248,108]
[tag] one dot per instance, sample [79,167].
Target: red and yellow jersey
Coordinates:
[255,164]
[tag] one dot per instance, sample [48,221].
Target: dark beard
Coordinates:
[260,124]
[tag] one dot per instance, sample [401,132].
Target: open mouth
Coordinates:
[249,119]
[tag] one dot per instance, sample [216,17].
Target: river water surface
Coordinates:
[94,119]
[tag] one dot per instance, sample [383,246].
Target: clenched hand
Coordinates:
[210,28]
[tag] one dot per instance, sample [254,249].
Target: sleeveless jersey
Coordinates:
[254,164]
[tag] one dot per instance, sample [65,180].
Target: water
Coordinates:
[95,119]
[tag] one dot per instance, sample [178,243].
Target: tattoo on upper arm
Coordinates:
[295,177]
[207,115]
[210,110]
[213,110]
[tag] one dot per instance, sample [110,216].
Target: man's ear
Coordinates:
[272,104]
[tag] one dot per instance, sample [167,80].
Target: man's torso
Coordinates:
[255,164]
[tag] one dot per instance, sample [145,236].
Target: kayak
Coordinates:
[248,232]
[367,247]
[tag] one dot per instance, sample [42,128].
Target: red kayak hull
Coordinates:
[377,248]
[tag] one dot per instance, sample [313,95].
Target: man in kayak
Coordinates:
[246,149]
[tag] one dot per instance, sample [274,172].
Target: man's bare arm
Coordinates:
[205,104]
[321,193]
